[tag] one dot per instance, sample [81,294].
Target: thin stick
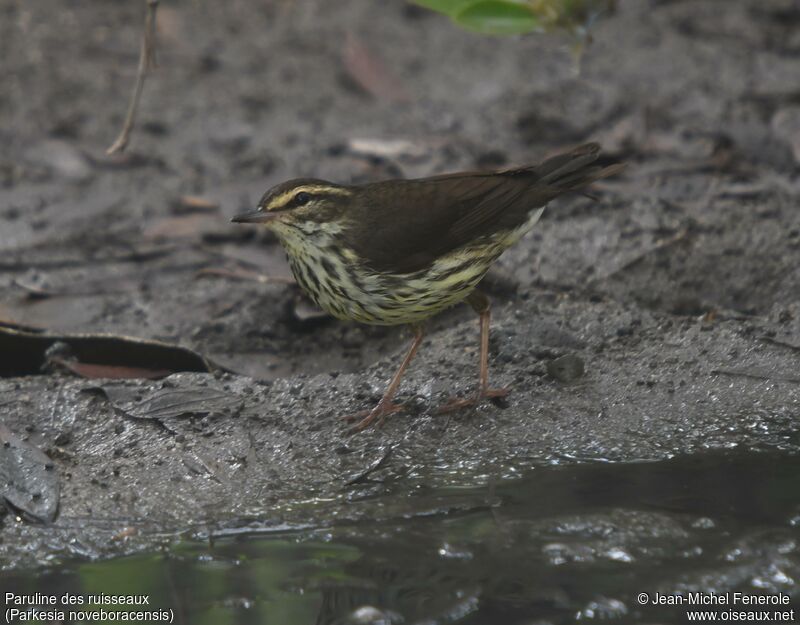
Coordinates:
[657,247]
[147,60]
[756,375]
[243,274]
[382,461]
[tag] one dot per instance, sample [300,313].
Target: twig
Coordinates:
[792,346]
[147,60]
[755,375]
[243,274]
[660,245]
[379,464]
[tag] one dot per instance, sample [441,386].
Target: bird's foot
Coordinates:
[457,403]
[365,417]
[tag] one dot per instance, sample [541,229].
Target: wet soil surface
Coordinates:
[661,319]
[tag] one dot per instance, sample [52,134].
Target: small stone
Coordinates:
[603,608]
[786,126]
[369,615]
[63,439]
[566,369]
[61,158]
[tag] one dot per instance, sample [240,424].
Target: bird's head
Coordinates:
[304,205]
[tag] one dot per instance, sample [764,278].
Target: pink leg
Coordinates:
[480,303]
[386,406]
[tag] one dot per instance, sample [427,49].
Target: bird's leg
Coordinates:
[386,406]
[480,304]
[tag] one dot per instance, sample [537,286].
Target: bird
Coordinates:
[397,252]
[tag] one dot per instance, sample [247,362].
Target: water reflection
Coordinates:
[559,545]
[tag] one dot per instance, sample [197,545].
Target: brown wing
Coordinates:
[404,225]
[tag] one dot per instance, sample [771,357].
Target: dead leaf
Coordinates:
[111,372]
[25,352]
[194,225]
[170,403]
[375,466]
[389,148]
[34,292]
[370,73]
[28,481]
[625,136]
[243,274]
[194,204]
[125,533]
[170,26]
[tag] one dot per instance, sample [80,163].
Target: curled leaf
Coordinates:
[26,351]
[514,17]
[449,7]
[497,17]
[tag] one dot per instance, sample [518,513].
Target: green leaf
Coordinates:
[497,17]
[448,7]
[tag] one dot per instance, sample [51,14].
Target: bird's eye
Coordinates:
[302,198]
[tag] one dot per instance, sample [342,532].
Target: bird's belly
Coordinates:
[349,290]
[406,299]
[358,294]
[388,299]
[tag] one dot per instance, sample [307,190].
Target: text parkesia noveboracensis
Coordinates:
[400,251]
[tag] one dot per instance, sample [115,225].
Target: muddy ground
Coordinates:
[678,289]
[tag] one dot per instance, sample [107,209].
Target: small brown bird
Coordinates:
[400,251]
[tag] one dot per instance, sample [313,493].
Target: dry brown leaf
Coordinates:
[370,73]
[194,225]
[112,372]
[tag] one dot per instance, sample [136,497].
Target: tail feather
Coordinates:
[575,169]
[586,176]
[560,166]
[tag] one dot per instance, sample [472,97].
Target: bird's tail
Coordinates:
[575,169]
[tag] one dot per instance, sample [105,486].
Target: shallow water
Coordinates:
[560,544]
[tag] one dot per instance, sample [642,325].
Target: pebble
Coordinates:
[566,368]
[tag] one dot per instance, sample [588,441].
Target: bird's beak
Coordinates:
[254,217]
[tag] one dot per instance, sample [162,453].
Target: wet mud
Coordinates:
[660,318]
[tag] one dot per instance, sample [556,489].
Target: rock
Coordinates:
[61,159]
[566,369]
[786,126]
